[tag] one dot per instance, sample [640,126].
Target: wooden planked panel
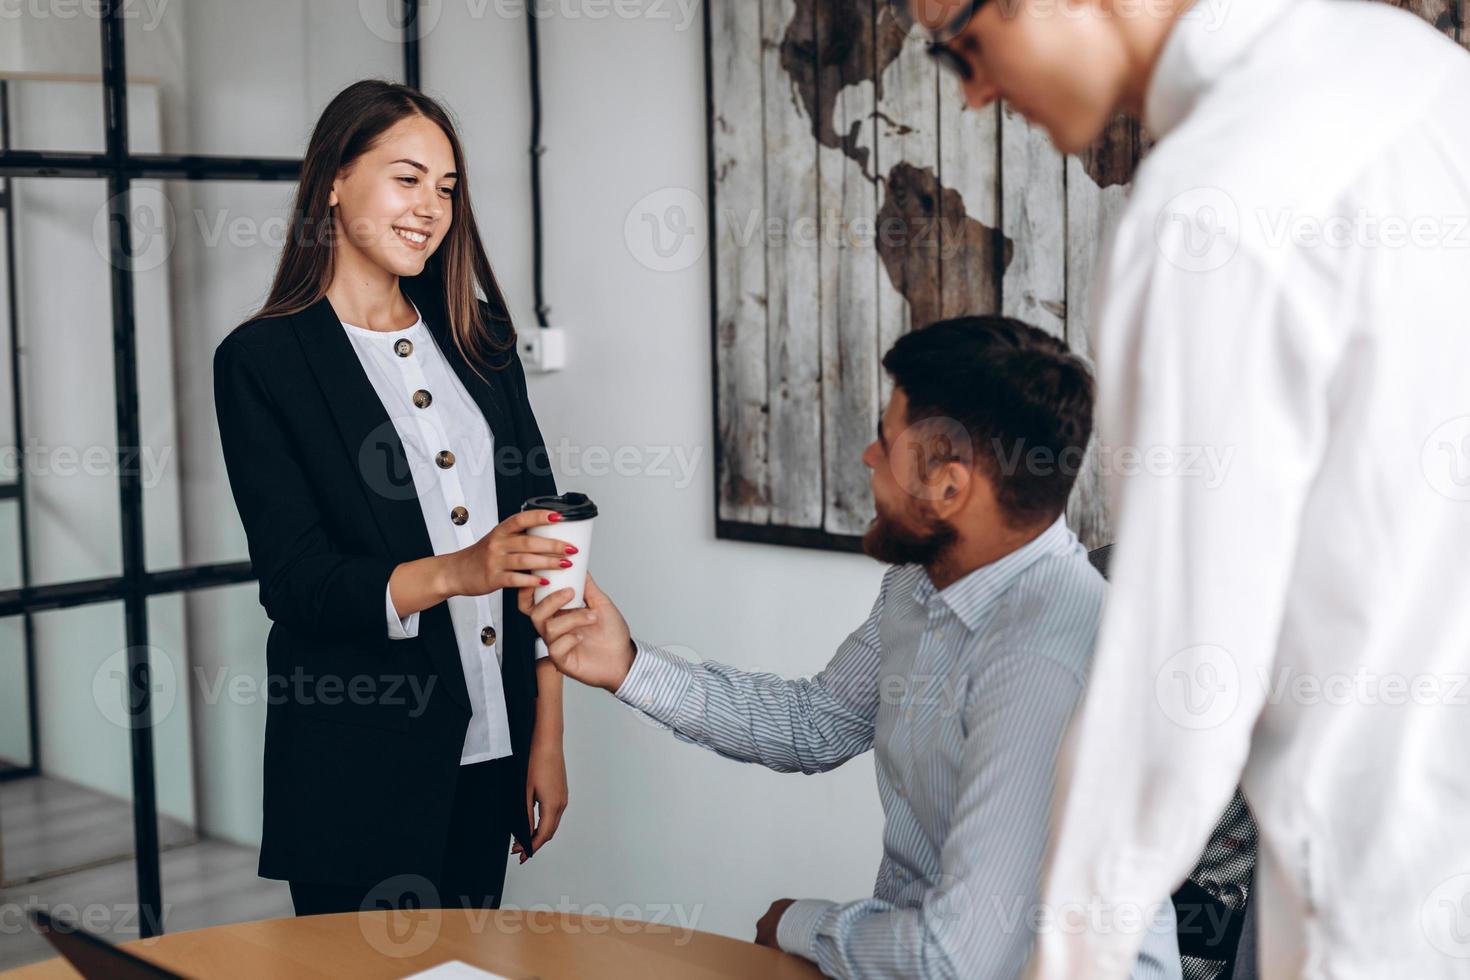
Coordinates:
[1097,191]
[738,138]
[907,164]
[1447,16]
[848,265]
[793,313]
[972,259]
[1033,217]
[1097,182]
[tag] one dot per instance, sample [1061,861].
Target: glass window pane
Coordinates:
[211,271]
[249,79]
[15,743]
[54,822]
[102,896]
[226,656]
[15,715]
[8,458]
[10,577]
[52,55]
[64,317]
[56,114]
[207,662]
[65,114]
[82,703]
[171,707]
[57,38]
[67,832]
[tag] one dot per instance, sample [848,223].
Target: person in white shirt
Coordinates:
[1285,289]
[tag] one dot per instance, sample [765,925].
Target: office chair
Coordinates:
[1216,920]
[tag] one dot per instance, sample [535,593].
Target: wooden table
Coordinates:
[515,943]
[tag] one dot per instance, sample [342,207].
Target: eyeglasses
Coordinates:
[946,56]
[950,60]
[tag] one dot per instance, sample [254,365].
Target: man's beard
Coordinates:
[888,541]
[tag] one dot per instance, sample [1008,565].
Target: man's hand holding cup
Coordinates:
[591,645]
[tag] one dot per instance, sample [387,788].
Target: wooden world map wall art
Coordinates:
[853,197]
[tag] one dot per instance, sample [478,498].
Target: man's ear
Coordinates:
[951,488]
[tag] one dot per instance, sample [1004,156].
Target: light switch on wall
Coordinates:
[543,349]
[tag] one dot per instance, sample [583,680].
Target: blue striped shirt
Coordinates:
[964,694]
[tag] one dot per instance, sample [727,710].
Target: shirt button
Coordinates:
[487,636]
[403,347]
[445,459]
[422,398]
[459,515]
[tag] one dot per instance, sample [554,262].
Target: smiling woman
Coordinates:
[374,420]
[383,183]
[385,201]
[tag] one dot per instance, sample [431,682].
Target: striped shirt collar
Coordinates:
[971,595]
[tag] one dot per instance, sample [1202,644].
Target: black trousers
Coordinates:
[475,854]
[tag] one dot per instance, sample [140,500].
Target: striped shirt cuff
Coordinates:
[796,933]
[656,683]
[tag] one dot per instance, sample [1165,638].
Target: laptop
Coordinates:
[93,956]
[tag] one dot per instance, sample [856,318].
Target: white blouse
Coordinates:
[450,452]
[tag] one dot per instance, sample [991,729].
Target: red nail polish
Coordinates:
[553,517]
[565,563]
[571,549]
[546,581]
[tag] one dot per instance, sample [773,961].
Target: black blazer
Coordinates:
[363,734]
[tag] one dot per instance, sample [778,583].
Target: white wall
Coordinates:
[652,820]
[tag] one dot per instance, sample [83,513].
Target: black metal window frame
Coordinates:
[136,584]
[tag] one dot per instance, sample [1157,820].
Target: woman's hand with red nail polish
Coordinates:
[507,557]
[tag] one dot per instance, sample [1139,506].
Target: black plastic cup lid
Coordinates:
[571,506]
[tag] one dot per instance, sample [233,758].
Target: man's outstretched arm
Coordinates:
[807,725]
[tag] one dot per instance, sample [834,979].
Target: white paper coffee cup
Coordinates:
[575,528]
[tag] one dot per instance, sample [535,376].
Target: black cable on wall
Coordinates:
[411,43]
[536,150]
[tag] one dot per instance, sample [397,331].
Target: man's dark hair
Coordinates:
[1020,394]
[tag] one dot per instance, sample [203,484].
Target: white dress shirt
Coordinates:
[433,414]
[1286,289]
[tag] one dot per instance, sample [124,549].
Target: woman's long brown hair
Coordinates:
[349,126]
